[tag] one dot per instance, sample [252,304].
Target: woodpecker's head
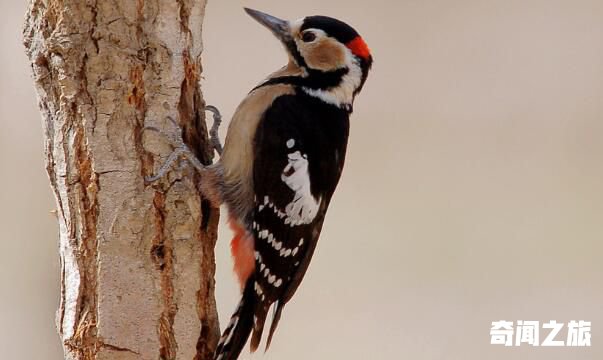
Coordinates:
[333,58]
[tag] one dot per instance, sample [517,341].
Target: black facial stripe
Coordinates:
[333,27]
[322,80]
[299,59]
[316,79]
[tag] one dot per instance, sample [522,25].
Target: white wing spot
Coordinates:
[278,283]
[304,207]
[290,143]
[258,288]
[279,213]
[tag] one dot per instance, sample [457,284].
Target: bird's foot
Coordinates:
[181,150]
[213,132]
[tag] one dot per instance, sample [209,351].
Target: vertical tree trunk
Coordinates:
[137,260]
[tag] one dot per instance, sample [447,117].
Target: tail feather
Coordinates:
[258,328]
[278,309]
[237,332]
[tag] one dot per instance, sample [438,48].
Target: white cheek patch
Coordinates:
[303,208]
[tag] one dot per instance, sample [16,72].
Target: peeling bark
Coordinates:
[137,260]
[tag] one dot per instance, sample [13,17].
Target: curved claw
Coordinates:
[213,132]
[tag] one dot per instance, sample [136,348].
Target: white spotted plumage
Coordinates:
[258,288]
[304,207]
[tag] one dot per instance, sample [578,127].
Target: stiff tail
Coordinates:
[260,320]
[278,309]
[237,332]
[258,328]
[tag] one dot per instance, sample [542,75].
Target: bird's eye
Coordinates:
[308,36]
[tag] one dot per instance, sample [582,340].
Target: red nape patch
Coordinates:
[359,47]
[242,251]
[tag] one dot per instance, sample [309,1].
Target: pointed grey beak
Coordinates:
[280,28]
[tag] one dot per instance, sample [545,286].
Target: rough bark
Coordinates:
[137,260]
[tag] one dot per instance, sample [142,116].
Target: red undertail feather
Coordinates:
[242,250]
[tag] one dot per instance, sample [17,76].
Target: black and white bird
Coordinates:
[282,159]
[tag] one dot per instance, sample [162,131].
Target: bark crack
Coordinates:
[85,339]
[117,348]
[162,255]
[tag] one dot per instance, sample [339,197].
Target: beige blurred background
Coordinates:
[472,191]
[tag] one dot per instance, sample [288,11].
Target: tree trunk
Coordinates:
[137,260]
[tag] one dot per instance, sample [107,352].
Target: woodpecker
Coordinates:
[281,162]
[283,157]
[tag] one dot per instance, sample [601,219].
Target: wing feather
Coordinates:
[299,154]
